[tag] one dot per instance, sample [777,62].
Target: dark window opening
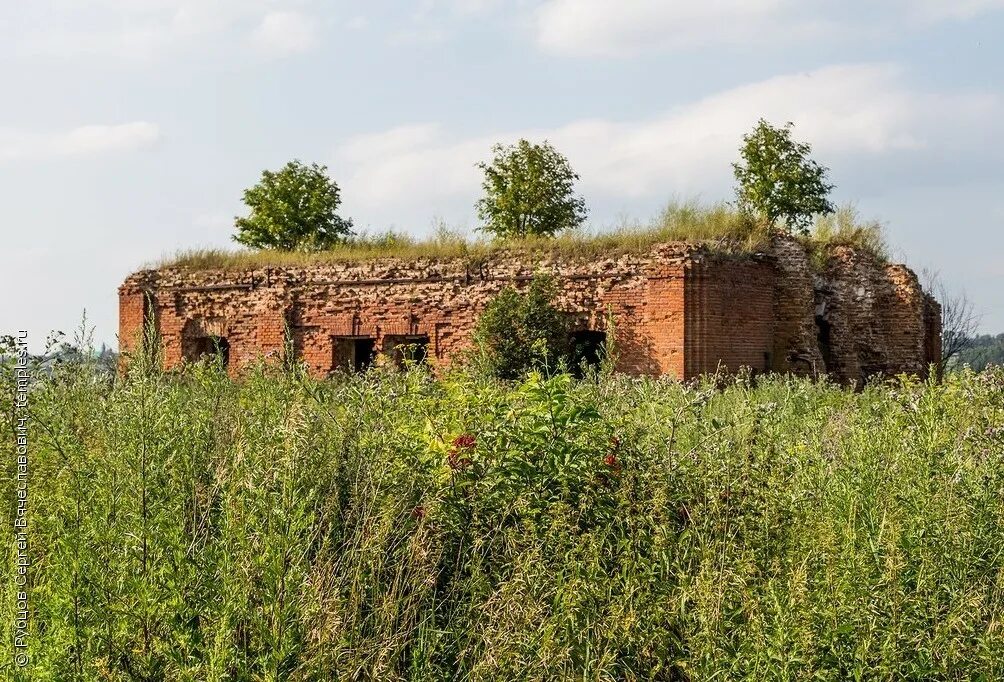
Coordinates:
[211,347]
[823,336]
[588,350]
[354,353]
[407,348]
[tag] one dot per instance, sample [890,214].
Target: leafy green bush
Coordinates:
[521,331]
[396,527]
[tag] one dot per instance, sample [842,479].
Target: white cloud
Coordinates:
[419,35]
[604,28]
[357,23]
[20,145]
[432,7]
[600,27]
[853,115]
[473,6]
[140,29]
[286,33]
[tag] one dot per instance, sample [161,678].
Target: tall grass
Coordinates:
[845,228]
[193,527]
[719,226]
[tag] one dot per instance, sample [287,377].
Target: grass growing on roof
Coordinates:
[720,227]
[845,228]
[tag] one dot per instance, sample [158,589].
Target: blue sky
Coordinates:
[129,128]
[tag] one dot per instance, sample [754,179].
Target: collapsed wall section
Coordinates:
[852,317]
[876,316]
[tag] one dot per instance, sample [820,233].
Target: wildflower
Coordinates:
[464,441]
[611,461]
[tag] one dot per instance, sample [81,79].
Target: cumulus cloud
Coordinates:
[286,33]
[854,115]
[90,140]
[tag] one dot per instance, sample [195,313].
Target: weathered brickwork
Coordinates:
[877,316]
[679,310]
[729,320]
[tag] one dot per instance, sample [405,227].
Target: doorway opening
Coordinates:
[588,348]
[824,337]
[209,347]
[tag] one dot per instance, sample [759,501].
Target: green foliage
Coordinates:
[529,191]
[396,527]
[719,226]
[293,209]
[521,331]
[778,181]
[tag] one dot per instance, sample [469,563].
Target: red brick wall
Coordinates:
[677,310]
[132,315]
[389,298]
[730,316]
[796,348]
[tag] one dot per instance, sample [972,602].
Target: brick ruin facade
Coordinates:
[679,309]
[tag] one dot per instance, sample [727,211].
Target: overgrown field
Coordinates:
[392,526]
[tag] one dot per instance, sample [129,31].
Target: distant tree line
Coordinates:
[982,352]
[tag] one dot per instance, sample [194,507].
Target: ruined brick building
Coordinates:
[678,309]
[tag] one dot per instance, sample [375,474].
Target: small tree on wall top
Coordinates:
[778,181]
[293,209]
[529,190]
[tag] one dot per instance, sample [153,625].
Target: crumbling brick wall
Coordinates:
[678,309]
[796,335]
[390,301]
